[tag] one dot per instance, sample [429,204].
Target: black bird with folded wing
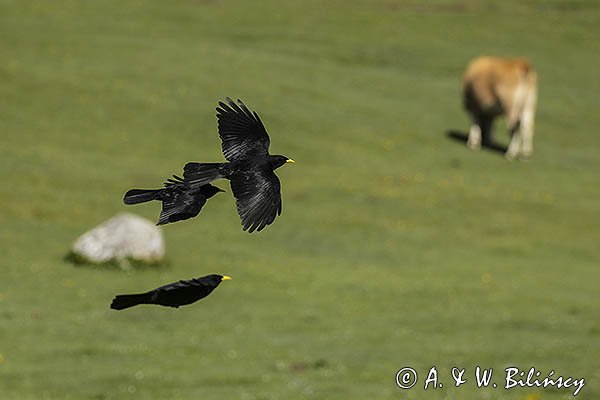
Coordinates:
[172,295]
[179,200]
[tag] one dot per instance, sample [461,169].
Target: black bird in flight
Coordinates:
[250,170]
[172,295]
[179,199]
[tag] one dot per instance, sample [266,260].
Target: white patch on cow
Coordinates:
[474,141]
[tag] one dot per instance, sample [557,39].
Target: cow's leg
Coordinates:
[479,132]
[527,125]
[474,141]
[527,137]
[485,122]
[515,142]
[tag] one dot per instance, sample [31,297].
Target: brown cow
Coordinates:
[494,87]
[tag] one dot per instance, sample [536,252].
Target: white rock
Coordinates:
[125,236]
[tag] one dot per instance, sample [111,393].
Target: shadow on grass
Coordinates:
[462,137]
[122,264]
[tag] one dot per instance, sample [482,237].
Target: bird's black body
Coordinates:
[172,295]
[245,144]
[254,185]
[179,200]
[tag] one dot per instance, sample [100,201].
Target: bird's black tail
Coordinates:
[137,196]
[122,301]
[202,173]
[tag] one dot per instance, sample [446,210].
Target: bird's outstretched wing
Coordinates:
[242,133]
[258,198]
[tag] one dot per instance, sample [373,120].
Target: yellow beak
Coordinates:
[225,278]
[289,160]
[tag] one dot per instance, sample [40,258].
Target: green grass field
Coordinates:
[397,246]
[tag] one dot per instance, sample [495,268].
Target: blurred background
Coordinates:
[397,245]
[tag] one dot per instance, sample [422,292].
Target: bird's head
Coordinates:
[209,190]
[278,161]
[215,279]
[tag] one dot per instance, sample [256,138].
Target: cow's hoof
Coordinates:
[525,157]
[474,146]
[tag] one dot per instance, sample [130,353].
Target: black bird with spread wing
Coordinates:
[172,295]
[250,170]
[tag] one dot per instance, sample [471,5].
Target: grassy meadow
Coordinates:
[397,245]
